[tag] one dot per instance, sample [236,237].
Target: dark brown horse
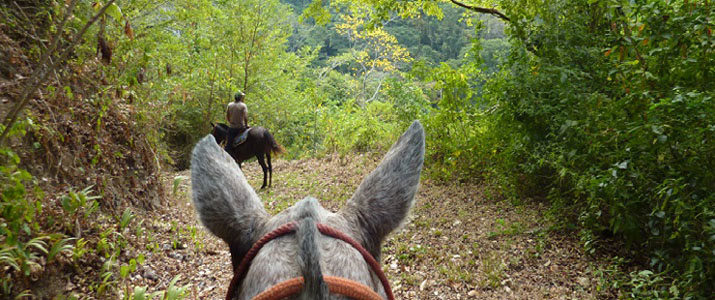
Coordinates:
[259,143]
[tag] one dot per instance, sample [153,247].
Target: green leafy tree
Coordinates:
[604,108]
[194,55]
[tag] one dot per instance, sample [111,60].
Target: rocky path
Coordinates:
[460,243]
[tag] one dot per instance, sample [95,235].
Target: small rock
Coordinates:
[427,284]
[149,274]
[423,285]
[69,286]
[583,281]
[472,293]
[507,289]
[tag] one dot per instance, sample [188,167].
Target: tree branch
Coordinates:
[529,47]
[377,89]
[483,10]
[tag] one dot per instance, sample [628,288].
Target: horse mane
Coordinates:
[221,125]
[219,131]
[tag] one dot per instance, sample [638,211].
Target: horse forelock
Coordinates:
[307,253]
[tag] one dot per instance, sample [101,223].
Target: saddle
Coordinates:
[241,137]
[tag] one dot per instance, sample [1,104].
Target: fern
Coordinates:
[127,217]
[177,182]
[173,292]
[37,243]
[140,293]
[58,247]
[24,294]
[8,256]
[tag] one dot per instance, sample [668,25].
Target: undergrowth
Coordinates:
[51,240]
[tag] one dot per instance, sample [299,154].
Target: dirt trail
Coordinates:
[459,243]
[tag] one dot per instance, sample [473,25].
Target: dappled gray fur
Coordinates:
[384,197]
[227,205]
[231,210]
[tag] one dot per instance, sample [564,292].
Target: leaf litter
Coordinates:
[459,242]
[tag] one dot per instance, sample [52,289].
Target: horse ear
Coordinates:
[384,197]
[212,124]
[227,205]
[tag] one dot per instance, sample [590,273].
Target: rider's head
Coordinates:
[239,96]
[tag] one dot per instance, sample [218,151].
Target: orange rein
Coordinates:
[336,285]
[343,286]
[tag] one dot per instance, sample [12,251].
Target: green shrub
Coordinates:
[182,127]
[351,128]
[615,119]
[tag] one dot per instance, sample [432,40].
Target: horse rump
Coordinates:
[272,145]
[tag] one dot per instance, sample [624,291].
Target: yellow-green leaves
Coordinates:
[113,10]
[316,11]
[378,49]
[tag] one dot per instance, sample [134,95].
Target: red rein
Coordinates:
[288,228]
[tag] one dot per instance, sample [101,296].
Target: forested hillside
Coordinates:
[600,110]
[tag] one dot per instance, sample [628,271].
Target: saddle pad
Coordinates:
[242,137]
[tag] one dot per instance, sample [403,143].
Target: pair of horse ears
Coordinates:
[230,208]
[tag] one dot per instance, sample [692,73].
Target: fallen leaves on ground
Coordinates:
[459,243]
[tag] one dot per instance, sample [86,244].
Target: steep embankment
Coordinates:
[79,131]
[74,160]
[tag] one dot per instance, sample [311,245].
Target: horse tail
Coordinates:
[272,145]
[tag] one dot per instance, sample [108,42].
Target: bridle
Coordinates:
[336,285]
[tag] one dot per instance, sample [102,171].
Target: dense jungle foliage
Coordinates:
[603,109]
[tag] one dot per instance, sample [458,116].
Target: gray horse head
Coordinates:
[231,210]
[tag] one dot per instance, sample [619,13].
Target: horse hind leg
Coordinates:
[265,169]
[270,168]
